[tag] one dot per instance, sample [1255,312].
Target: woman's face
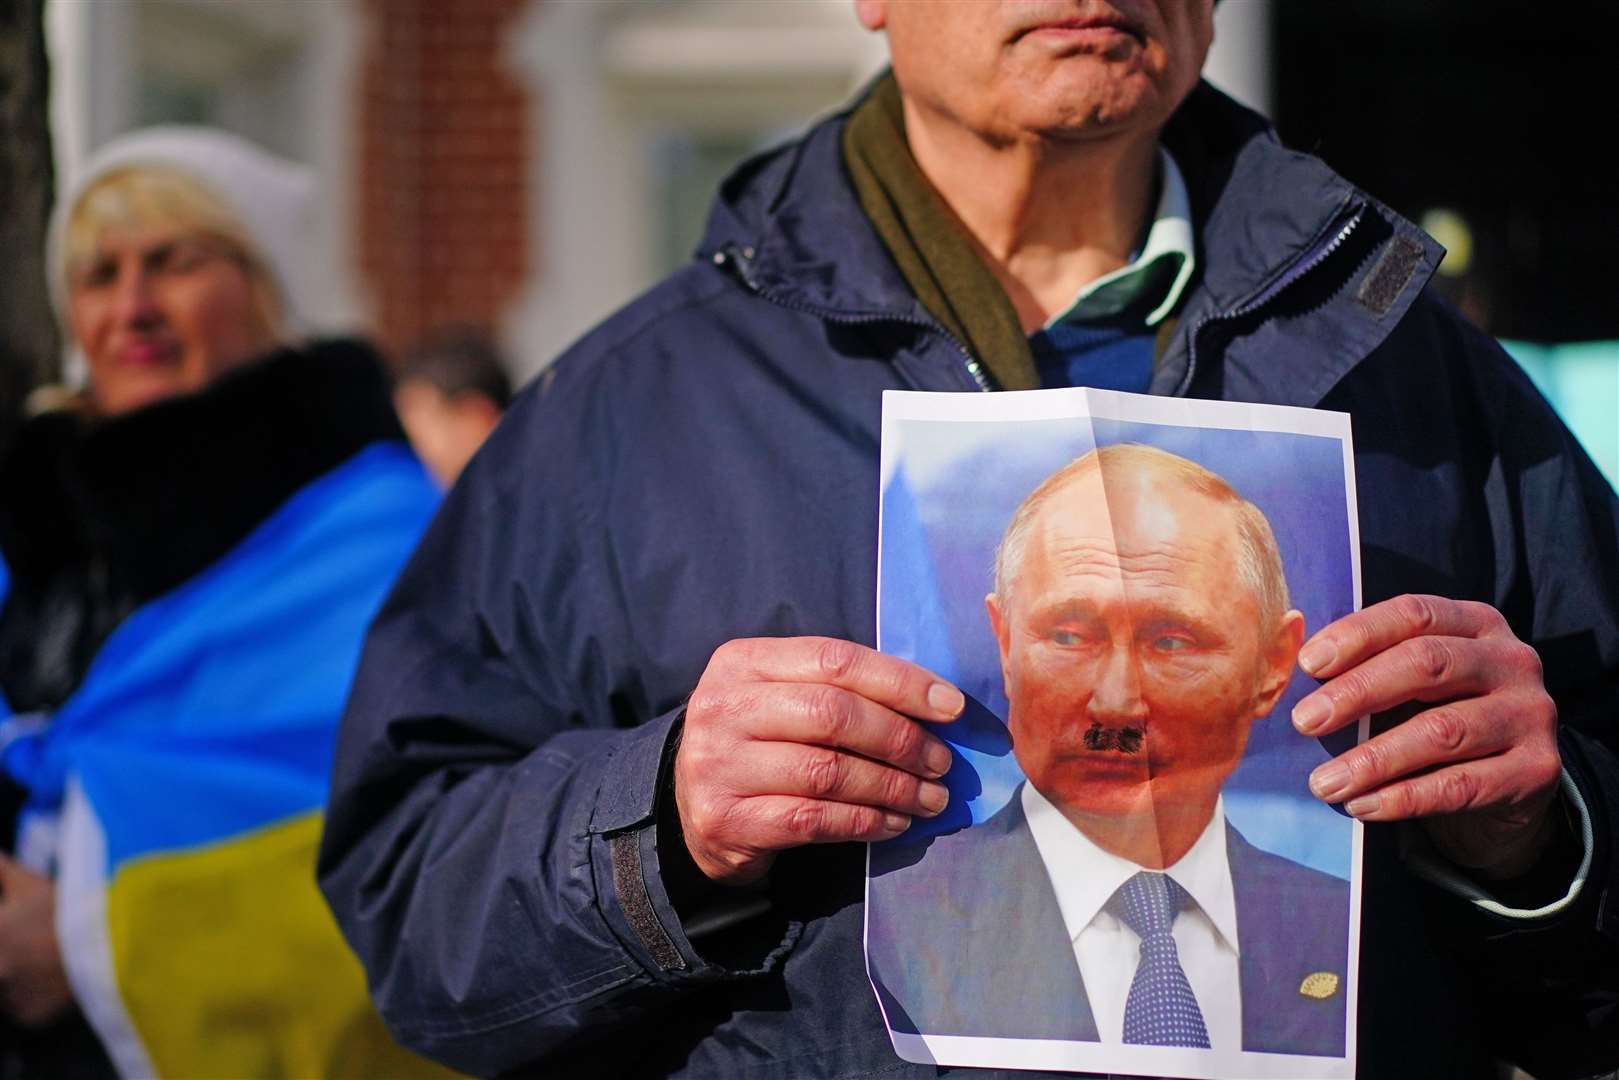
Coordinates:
[159,311]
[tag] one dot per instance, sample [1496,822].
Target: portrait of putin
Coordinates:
[1143,622]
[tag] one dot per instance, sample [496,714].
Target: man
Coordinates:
[1143,621]
[618,732]
[450,394]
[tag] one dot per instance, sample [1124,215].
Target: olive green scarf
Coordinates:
[929,243]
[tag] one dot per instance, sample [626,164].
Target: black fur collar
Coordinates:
[121,510]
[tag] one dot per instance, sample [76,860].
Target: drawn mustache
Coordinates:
[1126,740]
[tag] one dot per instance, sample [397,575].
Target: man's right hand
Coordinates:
[792,741]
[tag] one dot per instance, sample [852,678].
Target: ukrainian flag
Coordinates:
[179,793]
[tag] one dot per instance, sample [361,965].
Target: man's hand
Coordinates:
[33,985]
[792,741]
[1479,768]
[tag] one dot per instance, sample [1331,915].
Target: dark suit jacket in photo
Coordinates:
[969,940]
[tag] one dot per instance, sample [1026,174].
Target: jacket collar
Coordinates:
[792,226]
[1285,239]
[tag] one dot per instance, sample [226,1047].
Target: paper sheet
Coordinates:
[1128,663]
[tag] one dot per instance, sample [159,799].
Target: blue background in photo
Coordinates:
[944,509]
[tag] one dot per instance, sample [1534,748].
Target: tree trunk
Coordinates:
[28,341]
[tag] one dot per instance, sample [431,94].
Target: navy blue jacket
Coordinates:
[703,466]
[970,940]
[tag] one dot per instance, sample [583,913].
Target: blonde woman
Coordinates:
[189,553]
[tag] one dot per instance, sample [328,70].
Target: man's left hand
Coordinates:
[33,985]
[1479,768]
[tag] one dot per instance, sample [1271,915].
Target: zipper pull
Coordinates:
[739,261]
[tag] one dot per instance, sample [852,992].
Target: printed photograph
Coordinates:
[1132,875]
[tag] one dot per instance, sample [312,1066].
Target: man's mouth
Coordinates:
[1096,28]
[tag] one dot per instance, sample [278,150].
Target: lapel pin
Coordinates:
[1319,985]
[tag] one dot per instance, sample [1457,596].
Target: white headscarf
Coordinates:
[272,198]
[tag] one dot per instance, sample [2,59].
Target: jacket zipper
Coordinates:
[741,260]
[1298,268]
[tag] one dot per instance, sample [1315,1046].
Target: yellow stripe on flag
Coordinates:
[229,964]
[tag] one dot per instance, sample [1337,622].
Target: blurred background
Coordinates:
[525,166]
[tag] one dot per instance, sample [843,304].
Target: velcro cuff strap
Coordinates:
[630,885]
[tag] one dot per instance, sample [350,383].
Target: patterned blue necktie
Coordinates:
[1161,1009]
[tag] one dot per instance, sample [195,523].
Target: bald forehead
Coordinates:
[1140,517]
[1145,493]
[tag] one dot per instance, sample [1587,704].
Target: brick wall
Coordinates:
[443,171]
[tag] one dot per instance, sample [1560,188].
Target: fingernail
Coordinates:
[934,797]
[1317,655]
[1311,713]
[895,823]
[937,758]
[1364,806]
[1329,780]
[944,698]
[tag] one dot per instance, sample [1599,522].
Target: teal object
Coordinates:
[1581,381]
[1159,271]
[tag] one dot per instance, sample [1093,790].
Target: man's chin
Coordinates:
[1121,794]
[1127,794]
[1084,110]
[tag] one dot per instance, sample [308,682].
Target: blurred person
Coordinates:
[450,393]
[618,732]
[192,547]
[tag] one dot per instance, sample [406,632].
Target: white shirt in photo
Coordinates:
[1085,877]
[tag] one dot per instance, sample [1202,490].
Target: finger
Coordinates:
[822,773]
[1461,731]
[1481,784]
[831,716]
[815,714]
[785,821]
[1342,644]
[898,684]
[1427,668]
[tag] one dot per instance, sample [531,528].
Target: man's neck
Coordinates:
[1047,217]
